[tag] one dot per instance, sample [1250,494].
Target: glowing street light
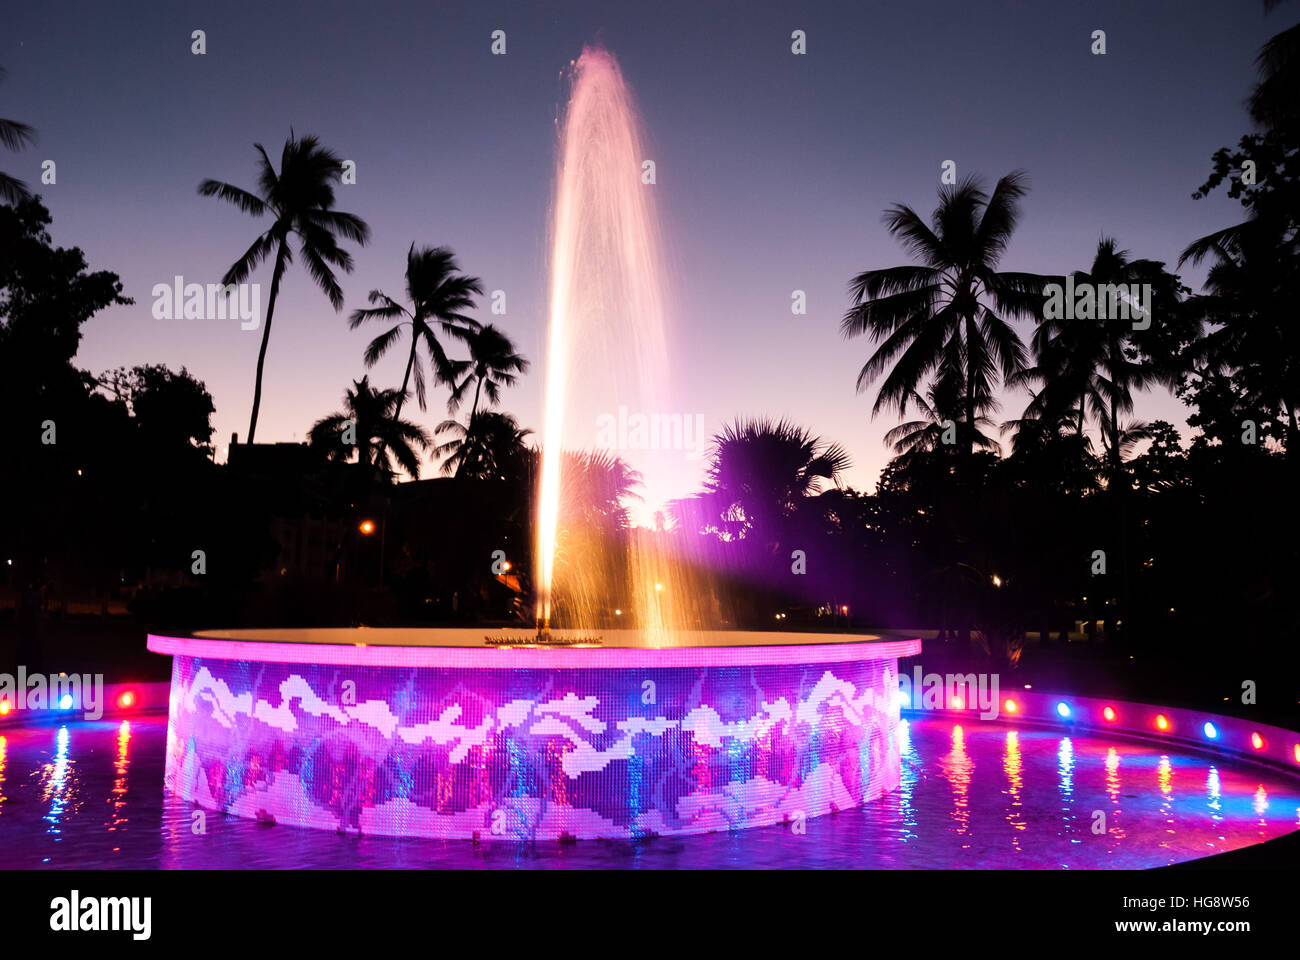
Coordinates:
[997,581]
[367,527]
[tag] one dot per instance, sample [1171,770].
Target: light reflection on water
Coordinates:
[89,794]
[1011,766]
[1065,771]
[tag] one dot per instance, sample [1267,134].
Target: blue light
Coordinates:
[66,702]
[1063,709]
[1210,730]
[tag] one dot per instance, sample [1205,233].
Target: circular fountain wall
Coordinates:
[433,733]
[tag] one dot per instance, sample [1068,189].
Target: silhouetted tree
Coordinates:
[300,200]
[1097,360]
[948,313]
[439,296]
[14,136]
[380,438]
[490,446]
[493,364]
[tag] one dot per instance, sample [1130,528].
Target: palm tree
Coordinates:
[490,446]
[760,473]
[439,295]
[946,314]
[14,136]
[493,364]
[300,199]
[380,436]
[1097,362]
[941,408]
[1250,295]
[1119,443]
[1275,101]
[596,486]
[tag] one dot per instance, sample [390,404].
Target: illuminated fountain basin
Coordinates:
[432,733]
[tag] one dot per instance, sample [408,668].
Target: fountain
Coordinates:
[606,317]
[652,729]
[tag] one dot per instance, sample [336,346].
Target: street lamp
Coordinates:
[367,527]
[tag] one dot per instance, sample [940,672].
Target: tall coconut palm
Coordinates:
[300,200]
[493,364]
[14,136]
[439,295]
[369,418]
[489,446]
[946,315]
[1098,362]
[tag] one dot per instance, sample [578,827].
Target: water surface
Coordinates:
[89,795]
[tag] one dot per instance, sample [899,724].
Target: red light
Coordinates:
[1257,741]
[126,700]
[4,708]
[1010,706]
[1109,713]
[1296,750]
[1162,721]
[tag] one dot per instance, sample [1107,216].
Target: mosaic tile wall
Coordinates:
[510,754]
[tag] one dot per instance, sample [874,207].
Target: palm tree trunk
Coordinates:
[1114,435]
[970,394]
[1115,462]
[266,337]
[406,378]
[473,410]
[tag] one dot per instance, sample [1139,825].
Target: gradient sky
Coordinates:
[773,169]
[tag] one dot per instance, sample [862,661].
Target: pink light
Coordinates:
[1109,713]
[1162,722]
[956,703]
[1257,741]
[126,700]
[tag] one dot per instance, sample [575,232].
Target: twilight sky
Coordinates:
[773,169]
